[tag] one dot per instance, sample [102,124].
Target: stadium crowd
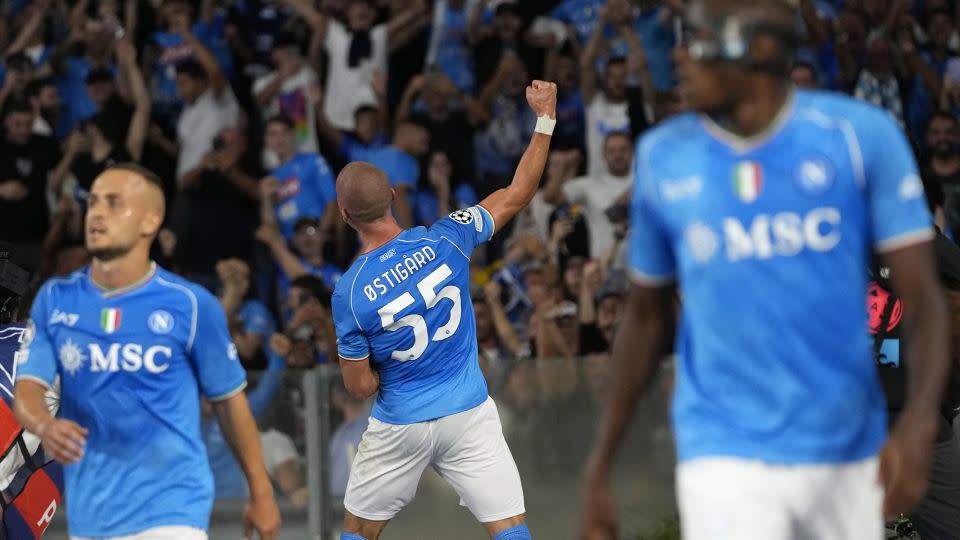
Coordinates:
[248,108]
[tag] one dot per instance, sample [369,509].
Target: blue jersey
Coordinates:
[133,364]
[770,241]
[306,188]
[406,306]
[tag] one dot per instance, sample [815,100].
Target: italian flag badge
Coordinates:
[110,320]
[747,181]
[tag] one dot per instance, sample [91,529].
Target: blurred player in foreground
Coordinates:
[134,347]
[406,332]
[766,207]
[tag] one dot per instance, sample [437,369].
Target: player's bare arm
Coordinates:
[503,204]
[240,432]
[62,438]
[643,338]
[906,458]
[359,377]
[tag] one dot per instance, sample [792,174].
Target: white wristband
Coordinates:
[545,125]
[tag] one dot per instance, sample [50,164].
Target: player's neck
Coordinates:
[121,272]
[759,113]
[379,233]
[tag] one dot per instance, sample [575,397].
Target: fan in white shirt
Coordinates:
[210,106]
[596,193]
[357,50]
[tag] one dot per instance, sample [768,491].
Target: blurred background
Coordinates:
[248,108]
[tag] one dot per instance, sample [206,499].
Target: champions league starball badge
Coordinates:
[463,217]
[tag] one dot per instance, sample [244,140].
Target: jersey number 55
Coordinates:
[428,290]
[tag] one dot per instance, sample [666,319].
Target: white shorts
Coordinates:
[159,533]
[737,499]
[466,449]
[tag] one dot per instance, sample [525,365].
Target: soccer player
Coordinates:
[406,332]
[766,206]
[134,347]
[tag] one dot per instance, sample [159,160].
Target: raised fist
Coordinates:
[542,97]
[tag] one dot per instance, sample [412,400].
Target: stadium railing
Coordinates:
[549,410]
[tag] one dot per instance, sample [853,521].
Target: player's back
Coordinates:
[129,371]
[769,239]
[407,305]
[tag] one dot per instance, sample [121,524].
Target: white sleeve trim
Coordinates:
[351,359]
[650,280]
[35,379]
[905,240]
[228,395]
[492,221]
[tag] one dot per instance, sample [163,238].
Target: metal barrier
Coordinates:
[549,411]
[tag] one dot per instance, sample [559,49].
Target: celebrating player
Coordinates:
[134,347]
[766,208]
[406,331]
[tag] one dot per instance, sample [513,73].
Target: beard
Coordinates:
[109,253]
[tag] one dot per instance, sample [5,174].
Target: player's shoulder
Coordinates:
[181,292]
[472,219]
[343,289]
[469,215]
[677,130]
[58,285]
[833,108]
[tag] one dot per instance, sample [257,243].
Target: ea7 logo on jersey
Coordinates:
[785,234]
[683,188]
[59,317]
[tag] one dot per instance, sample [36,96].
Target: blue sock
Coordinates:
[351,536]
[520,532]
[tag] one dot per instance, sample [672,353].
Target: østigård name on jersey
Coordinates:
[400,272]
